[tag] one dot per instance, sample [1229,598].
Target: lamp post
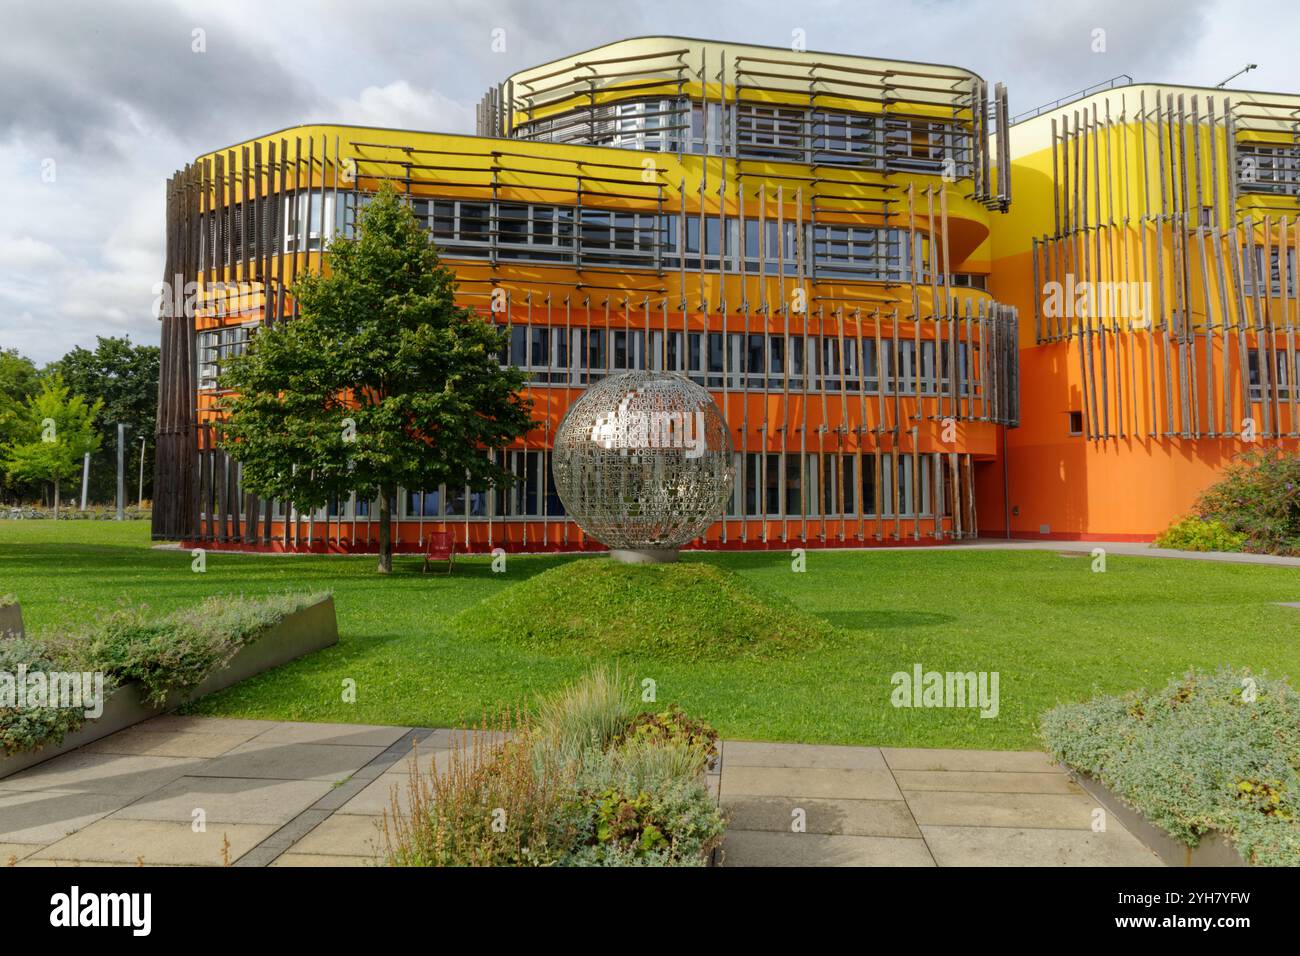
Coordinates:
[121,471]
[139,497]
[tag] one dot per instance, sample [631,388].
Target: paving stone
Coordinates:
[157,843]
[808,782]
[228,800]
[886,818]
[344,835]
[1024,846]
[376,798]
[127,775]
[33,861]
[747,753]
[259,856]
[759,848]
[11,853]
[43,816]
[261,759]
[353,735]
[187,724]
[166,743]
[341,793]
[425,758]
[296,829]
[317,859]
[1000,761]
[1049,810]
[978,781]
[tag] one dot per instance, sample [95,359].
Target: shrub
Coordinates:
[673,724]
[1259,497]
[1197,756]
[571,787]
[177,651]
[1197,534]
[676,825]
[163,654]
[30,728]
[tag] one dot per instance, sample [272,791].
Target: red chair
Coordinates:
[439,546]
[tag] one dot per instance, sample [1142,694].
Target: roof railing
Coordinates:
[1122,79]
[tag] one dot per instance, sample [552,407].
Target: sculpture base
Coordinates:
[644,555]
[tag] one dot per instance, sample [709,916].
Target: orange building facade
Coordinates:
[1152,253]
[828,244]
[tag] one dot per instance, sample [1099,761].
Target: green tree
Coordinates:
[125,376]
[382,381]
[51,436]
[19,380]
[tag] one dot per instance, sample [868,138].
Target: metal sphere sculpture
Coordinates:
[642,462]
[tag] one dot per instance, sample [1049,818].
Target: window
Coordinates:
[847,138]
[423,504]
[1272,168]
[305,227]
[1076,423]
[769,132]
[215,346]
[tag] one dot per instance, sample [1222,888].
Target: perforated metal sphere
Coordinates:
[642,460]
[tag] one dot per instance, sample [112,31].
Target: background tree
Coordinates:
[54,431]
[19,380]
[125,377]
[383,381]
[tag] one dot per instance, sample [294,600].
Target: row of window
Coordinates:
[576,236]
[1273,169]
[569,235]
[578,357]
[757,361]
[768,484]
[760,131]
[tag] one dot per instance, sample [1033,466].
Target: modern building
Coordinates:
[830,245]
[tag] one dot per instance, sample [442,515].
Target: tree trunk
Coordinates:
[385,531]
[56,499]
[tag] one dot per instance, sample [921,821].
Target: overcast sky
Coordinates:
[109,97]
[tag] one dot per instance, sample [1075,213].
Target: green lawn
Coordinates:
[1051,628]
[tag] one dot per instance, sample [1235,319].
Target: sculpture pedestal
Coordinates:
[644,555]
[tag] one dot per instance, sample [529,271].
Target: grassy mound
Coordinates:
[688,611]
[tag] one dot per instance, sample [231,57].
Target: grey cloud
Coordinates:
[82,73]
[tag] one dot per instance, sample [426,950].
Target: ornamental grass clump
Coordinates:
[1207,753]
[569,786]
[487,801]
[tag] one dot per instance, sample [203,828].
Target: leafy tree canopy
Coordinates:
[382,381]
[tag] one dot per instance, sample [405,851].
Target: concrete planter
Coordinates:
[296,635]
[1214,849]
[11,620]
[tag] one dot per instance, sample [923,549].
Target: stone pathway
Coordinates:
[869,806]
[272,793]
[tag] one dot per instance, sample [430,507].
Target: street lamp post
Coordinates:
[121,471]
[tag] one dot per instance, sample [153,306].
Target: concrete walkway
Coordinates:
[270,793]
[1131,549]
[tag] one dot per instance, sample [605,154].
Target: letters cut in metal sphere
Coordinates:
[642,462]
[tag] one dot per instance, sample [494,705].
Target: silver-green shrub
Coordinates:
[1207,752]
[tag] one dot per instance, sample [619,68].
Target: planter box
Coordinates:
[11,620]
[298,634]
[1214,849]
